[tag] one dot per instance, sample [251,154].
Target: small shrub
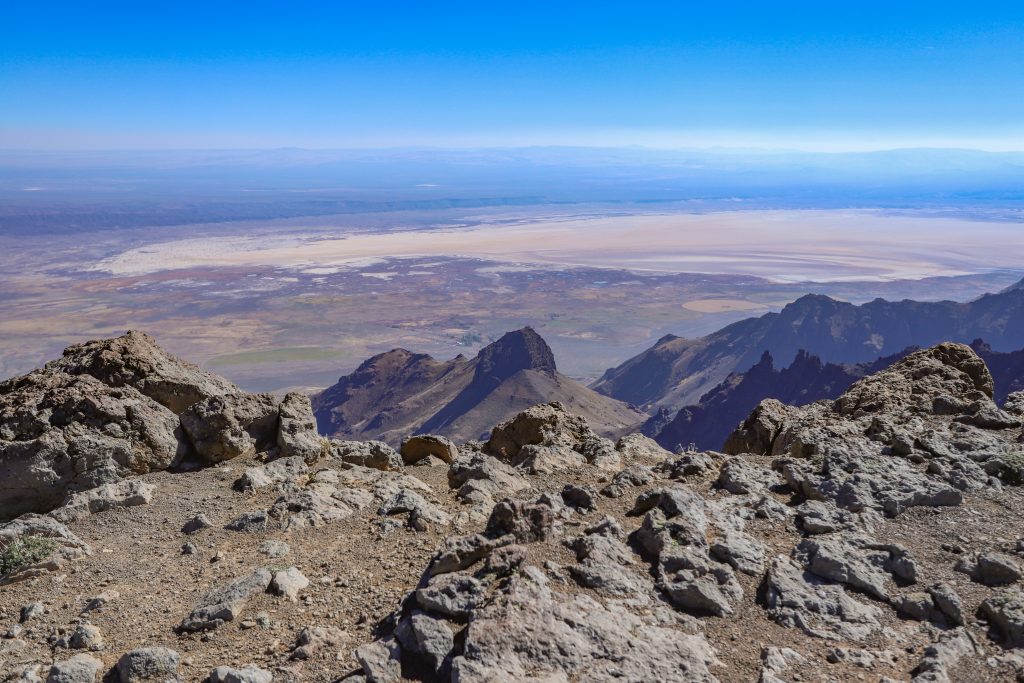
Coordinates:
[22,551]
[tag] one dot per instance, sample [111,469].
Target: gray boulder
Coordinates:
[227,602]
[77,669]
[421,446]
[225,427]
[149,665]
[373,454]
[296,434]
[62,433]
[250,673]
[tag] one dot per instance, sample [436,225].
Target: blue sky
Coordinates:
[829,76]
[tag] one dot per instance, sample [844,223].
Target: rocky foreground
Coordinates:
[163,525]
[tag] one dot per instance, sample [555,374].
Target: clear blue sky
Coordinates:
[815,75]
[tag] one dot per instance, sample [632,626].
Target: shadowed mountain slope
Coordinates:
[677,371]
[398,393]
[707,424]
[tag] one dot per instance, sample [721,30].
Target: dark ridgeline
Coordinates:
[676,372]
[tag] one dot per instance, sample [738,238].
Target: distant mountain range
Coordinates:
[707,424]
[677,372]
[398,393]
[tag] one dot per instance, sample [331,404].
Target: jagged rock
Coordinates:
[227,602]
[546,438]
[505,559]
[86,637]
[135,360]
[757,434]
[801,600]
[149,665]
[579,497]
[225,427]
[865,659]
[480,478]
[420,446]
[67,546]
[948,603]
[605,564]
[1014,404]
[249,522]
[740,477]
[62,433]
[689,465]
[863,451]
[508,640]
[381,661]
[77,669]
[313,639]
[992,568]
[373,454]
[118,407]
[426,636]
[675,537]
[939,604]
[452,595]
[290,469]
[816,517]
[638,446]
[296,434]
[632,476]
[1006,613]
[460,552]
[197,523]
[308,508]
[857,562]
[775,660]
[250,673]
[918,605]
[941,657]
[421,511]
[524,521]
[119,494]
[288,583]
[740,552]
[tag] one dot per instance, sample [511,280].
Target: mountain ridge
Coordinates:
[398,393]
[677,371]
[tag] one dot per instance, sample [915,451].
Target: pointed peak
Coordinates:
[521,349]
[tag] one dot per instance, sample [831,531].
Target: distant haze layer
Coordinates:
[786,246]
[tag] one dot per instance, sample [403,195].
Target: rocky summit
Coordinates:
[162,525]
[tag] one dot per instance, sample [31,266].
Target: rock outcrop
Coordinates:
[120,407]
[922,432]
